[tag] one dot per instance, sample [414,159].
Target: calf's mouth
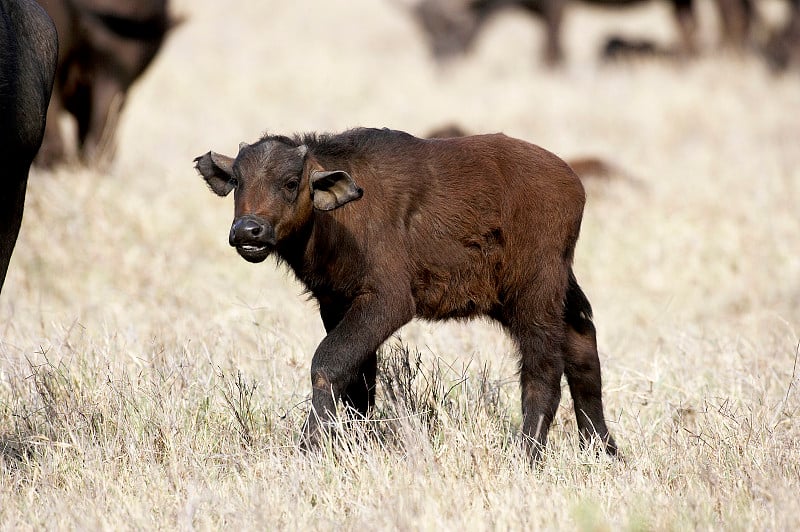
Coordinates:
[255,252]
[253,237]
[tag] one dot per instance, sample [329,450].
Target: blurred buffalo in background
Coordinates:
[105,46]
[451,26]
[589,166]
[28,49]
[782,49]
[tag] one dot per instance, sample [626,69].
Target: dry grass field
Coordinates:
[150,378]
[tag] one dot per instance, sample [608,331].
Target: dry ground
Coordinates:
[150,378]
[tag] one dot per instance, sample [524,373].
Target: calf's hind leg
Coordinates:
[539,336]
[582,368]
[541,367]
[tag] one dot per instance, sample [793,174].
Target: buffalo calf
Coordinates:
[381,226]
[28,50]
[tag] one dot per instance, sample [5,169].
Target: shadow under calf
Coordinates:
[28,49]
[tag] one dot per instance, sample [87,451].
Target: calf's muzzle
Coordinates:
[252,237]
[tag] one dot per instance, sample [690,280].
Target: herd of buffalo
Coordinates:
[451,27]
[380,226]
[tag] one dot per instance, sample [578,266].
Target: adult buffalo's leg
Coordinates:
[553,12]
[97,120]
[52,151]
[359,396]
[12,202]
[687,25]
[735,17]
[782,49]
[370,319]
[582,368]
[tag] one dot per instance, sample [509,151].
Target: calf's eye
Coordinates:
[291,186]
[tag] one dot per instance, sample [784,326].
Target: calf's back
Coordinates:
[459,221]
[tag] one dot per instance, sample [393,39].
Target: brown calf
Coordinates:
[447,228]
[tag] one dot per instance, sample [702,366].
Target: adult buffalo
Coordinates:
[28,50]
[105,46]
[451,26]
[782,49]
[447,228]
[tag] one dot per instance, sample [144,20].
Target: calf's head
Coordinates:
[276,188]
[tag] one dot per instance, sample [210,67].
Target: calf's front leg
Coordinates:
[338,361]
[359,396]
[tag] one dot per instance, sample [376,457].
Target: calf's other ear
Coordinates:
[331,190]
[217,170]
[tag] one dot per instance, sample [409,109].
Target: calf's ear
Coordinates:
[217,170]
[331,190]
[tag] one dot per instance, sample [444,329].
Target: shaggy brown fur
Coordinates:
[447,228]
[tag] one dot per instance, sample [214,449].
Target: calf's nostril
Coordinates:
[255,230]
[248,230]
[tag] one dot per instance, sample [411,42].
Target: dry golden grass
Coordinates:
[150,378]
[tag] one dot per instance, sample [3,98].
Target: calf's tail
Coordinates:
[577,309]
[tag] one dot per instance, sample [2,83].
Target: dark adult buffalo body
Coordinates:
[28,49]
[105,46]
[451,26]
[446,228]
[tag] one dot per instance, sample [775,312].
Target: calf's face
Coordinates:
[276,188]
